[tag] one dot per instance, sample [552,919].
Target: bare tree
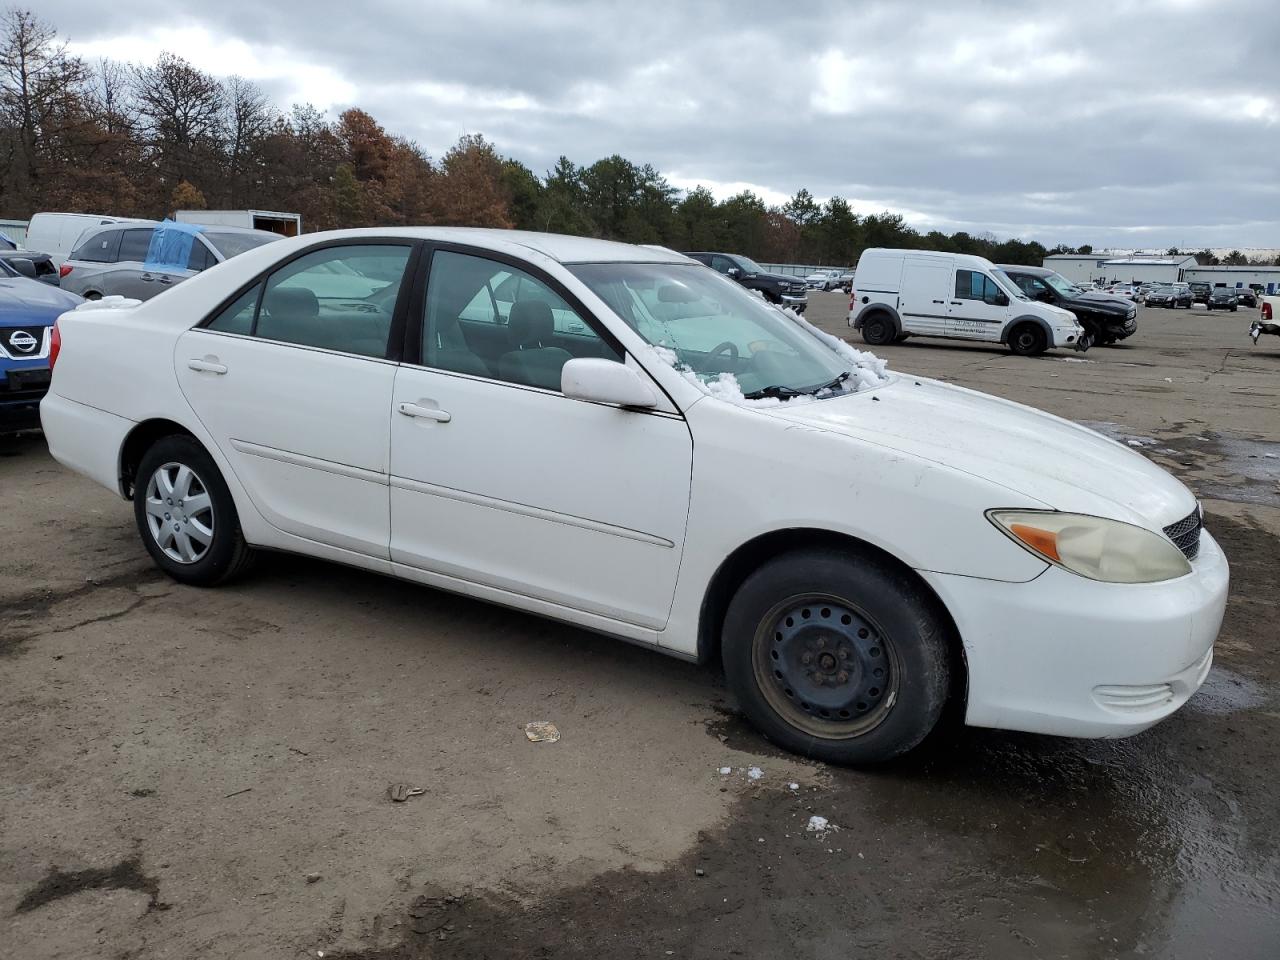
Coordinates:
[248,118]
[180,109]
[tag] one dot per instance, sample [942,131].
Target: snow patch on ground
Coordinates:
[755,773]
[820,825]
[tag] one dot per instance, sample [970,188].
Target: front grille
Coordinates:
[1185,534]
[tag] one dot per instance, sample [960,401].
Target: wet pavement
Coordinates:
[203,773]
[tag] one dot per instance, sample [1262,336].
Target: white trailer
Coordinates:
[285,224]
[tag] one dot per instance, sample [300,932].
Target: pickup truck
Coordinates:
[1106,318]
[784,291]
[1268,319]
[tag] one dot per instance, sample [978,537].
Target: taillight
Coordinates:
[853,297]
[1266,311]
[55,345]
[64,270]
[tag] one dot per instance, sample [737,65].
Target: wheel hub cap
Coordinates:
[179,513]
[829,661]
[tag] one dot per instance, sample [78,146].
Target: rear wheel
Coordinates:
[185,514]
[1028,340]
[877,330]
[837,655]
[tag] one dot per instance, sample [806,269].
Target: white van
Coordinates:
[56,233]
[902,293]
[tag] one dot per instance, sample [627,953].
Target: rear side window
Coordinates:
[134,245]
[200,258]
[337,298]
[99,248]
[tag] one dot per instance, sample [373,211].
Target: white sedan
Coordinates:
[620,438]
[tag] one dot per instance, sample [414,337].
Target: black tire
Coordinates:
[884,664]
[877,330]
[226,555]
[1234,308]
[1028,340]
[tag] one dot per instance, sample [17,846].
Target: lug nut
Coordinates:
[822,642]
[842,676]
[807,658]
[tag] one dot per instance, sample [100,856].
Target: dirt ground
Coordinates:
[190,773]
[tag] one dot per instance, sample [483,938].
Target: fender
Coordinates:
[1041,322]
[879,306]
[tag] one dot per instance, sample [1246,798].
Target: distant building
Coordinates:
[1082,268]
[1266,279]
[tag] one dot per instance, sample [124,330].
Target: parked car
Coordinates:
[775,287]
[846,281]
[902,293]
[1106,319]
[687,468]
[120,260]
[42,265]
[1268,314]
[823,280]
[1171,296]
[57,234]
[1246,297]
[28,310]
[1199,291]
[1223,298]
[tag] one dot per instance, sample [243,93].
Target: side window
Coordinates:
[134,245]
[975,285]
[100,248]
[721,264]
[1033,287]
[338,298]
[237,317]
[200,258]
[488,319]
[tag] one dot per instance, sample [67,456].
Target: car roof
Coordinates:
[557,246]
[1019,268]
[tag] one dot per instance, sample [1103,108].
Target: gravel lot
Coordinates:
[188,773]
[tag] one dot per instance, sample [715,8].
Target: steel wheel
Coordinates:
[179,513]
[825,666]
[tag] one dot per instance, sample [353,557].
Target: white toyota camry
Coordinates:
[620,438]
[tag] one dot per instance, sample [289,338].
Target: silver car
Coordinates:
[120,258]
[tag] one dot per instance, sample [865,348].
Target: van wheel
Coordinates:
[185,514]
[877,330]
[1028,340]
[837,655]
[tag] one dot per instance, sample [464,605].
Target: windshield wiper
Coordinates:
[785,393]
[774,390]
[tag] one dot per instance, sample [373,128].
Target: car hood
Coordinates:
[1059,463]
[776,278]
[1104,302]
[23,300]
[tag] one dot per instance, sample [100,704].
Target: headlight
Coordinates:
[1093,547]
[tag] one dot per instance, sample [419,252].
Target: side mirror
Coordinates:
[24,266]
[605,381]
[1001,299]
[734,272]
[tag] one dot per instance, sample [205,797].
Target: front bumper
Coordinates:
[21,390]
[796,301]
[1073,657]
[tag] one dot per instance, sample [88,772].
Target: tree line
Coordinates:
[146,140]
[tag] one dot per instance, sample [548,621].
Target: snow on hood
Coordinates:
[866,370]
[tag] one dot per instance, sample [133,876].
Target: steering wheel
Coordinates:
[728,347]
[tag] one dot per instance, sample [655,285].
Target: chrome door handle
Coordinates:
[425,413]
[207,366]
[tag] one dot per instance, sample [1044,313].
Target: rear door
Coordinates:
[125,277]
[923,301]
[294,382]
[977,308]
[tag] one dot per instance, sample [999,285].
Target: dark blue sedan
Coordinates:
[27,311]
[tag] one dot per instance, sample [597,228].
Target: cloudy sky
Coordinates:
[1125,122]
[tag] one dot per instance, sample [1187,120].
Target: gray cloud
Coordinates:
[1127,122]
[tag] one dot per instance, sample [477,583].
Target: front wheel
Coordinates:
[837,655]
[1028,340]
[185,514]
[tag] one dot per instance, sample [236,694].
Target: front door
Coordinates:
[293,381]
[978,309]
[498,479]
